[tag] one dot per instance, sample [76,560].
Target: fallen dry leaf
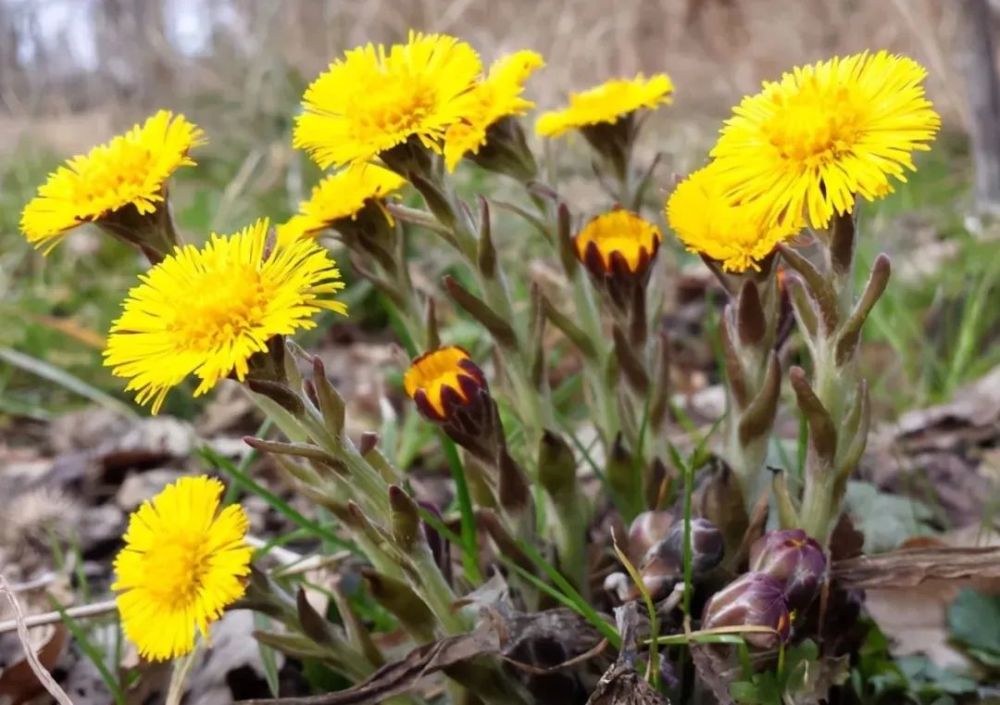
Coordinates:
[621,684]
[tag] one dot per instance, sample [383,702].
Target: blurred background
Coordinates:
[75,72]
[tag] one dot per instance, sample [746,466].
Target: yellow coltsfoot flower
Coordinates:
[606,116]
[120,185]
[809,144]
[607,104]
[348,195]
[485,131]
[376,98]
[208,311]
[707,222]
[185,560]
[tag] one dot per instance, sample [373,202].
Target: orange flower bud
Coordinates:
[450,389]
[442,381]
[619,243]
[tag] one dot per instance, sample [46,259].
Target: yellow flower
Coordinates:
[494,98]
[826,133]
[375,98]
[706,221]
[607,103]
[618,242]
[207,311]
[442,380]
[129,172]
[183,563]
[339,196]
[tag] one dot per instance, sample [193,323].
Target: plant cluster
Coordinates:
[774,216]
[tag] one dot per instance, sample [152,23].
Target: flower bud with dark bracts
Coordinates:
[753,599]
[707,545]
[794,558]
[647,530]
[618,249]
[450,390]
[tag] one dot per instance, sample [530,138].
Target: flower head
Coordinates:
[184,562]
[375,98]
[207,311]
[618,242]
[442,380]
[607,103]
[129,172]
[707,222]
[496,97]
[810,143]
[342,196]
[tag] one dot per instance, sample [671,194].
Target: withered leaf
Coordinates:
[621,684]
[400,676]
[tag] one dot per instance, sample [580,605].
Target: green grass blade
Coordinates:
[468,542]
[64,379]
[268,658]
[91,652]
[653,672]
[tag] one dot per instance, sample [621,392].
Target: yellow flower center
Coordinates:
[233,307]
[176,570]
[402,105]
[815,124]
[123,177]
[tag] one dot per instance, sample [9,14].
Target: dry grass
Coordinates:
[265,50]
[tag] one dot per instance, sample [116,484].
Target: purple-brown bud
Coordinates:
[753,599]
[647,529]
[794,558]
[707,545]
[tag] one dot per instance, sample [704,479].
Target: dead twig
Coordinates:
[911,566]
[37,620]
[43,676]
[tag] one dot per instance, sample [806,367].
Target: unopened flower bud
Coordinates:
[617,248]
[400,599]
[794,558]
[436,542]
[707,545]
[647,529]
[618,242]
[406,529]
[753,599]
[450,389]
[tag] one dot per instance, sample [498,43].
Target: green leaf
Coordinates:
[929,680]
[886,520]
[974,620]
[744,692]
